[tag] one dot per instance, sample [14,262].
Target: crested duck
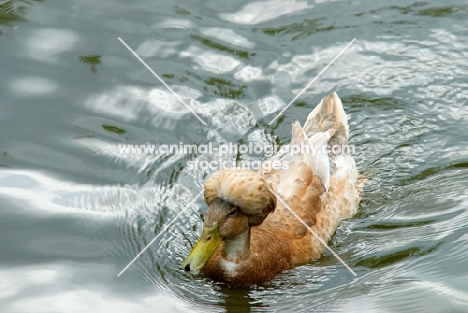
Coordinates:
[249,234]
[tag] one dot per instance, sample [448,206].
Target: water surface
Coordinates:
[74,211]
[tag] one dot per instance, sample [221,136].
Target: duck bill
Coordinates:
[203,249]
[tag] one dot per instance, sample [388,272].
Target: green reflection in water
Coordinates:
[443,11]
[114,129]
[175,174]
[298,30]
[431,172]
[5,153]
[362,101]
[91,60]
[14,11]
[220,47]
[406,9]
[188,76]
[432,12]
[394,257]
[300,104]
[396,225]
[181,11]
[226,88]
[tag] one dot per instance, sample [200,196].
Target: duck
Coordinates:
[260,223]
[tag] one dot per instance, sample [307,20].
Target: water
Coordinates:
[74,211]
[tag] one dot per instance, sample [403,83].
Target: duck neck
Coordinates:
[238,248]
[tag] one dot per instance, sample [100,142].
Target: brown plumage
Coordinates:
[250,236]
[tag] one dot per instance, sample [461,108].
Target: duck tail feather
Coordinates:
[328,114]
[330,117]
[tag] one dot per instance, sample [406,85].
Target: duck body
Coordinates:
[250,234]
[253,267]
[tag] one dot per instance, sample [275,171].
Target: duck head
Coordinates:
[237,200]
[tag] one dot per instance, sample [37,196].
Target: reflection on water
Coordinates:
[33,86]
[174,30]
[92,61]
[47,44]
[261,11]
[76,210]
[14,11]
[299,30]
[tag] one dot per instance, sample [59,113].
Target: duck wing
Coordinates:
[308,165]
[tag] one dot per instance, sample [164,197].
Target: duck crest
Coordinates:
[244,188]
